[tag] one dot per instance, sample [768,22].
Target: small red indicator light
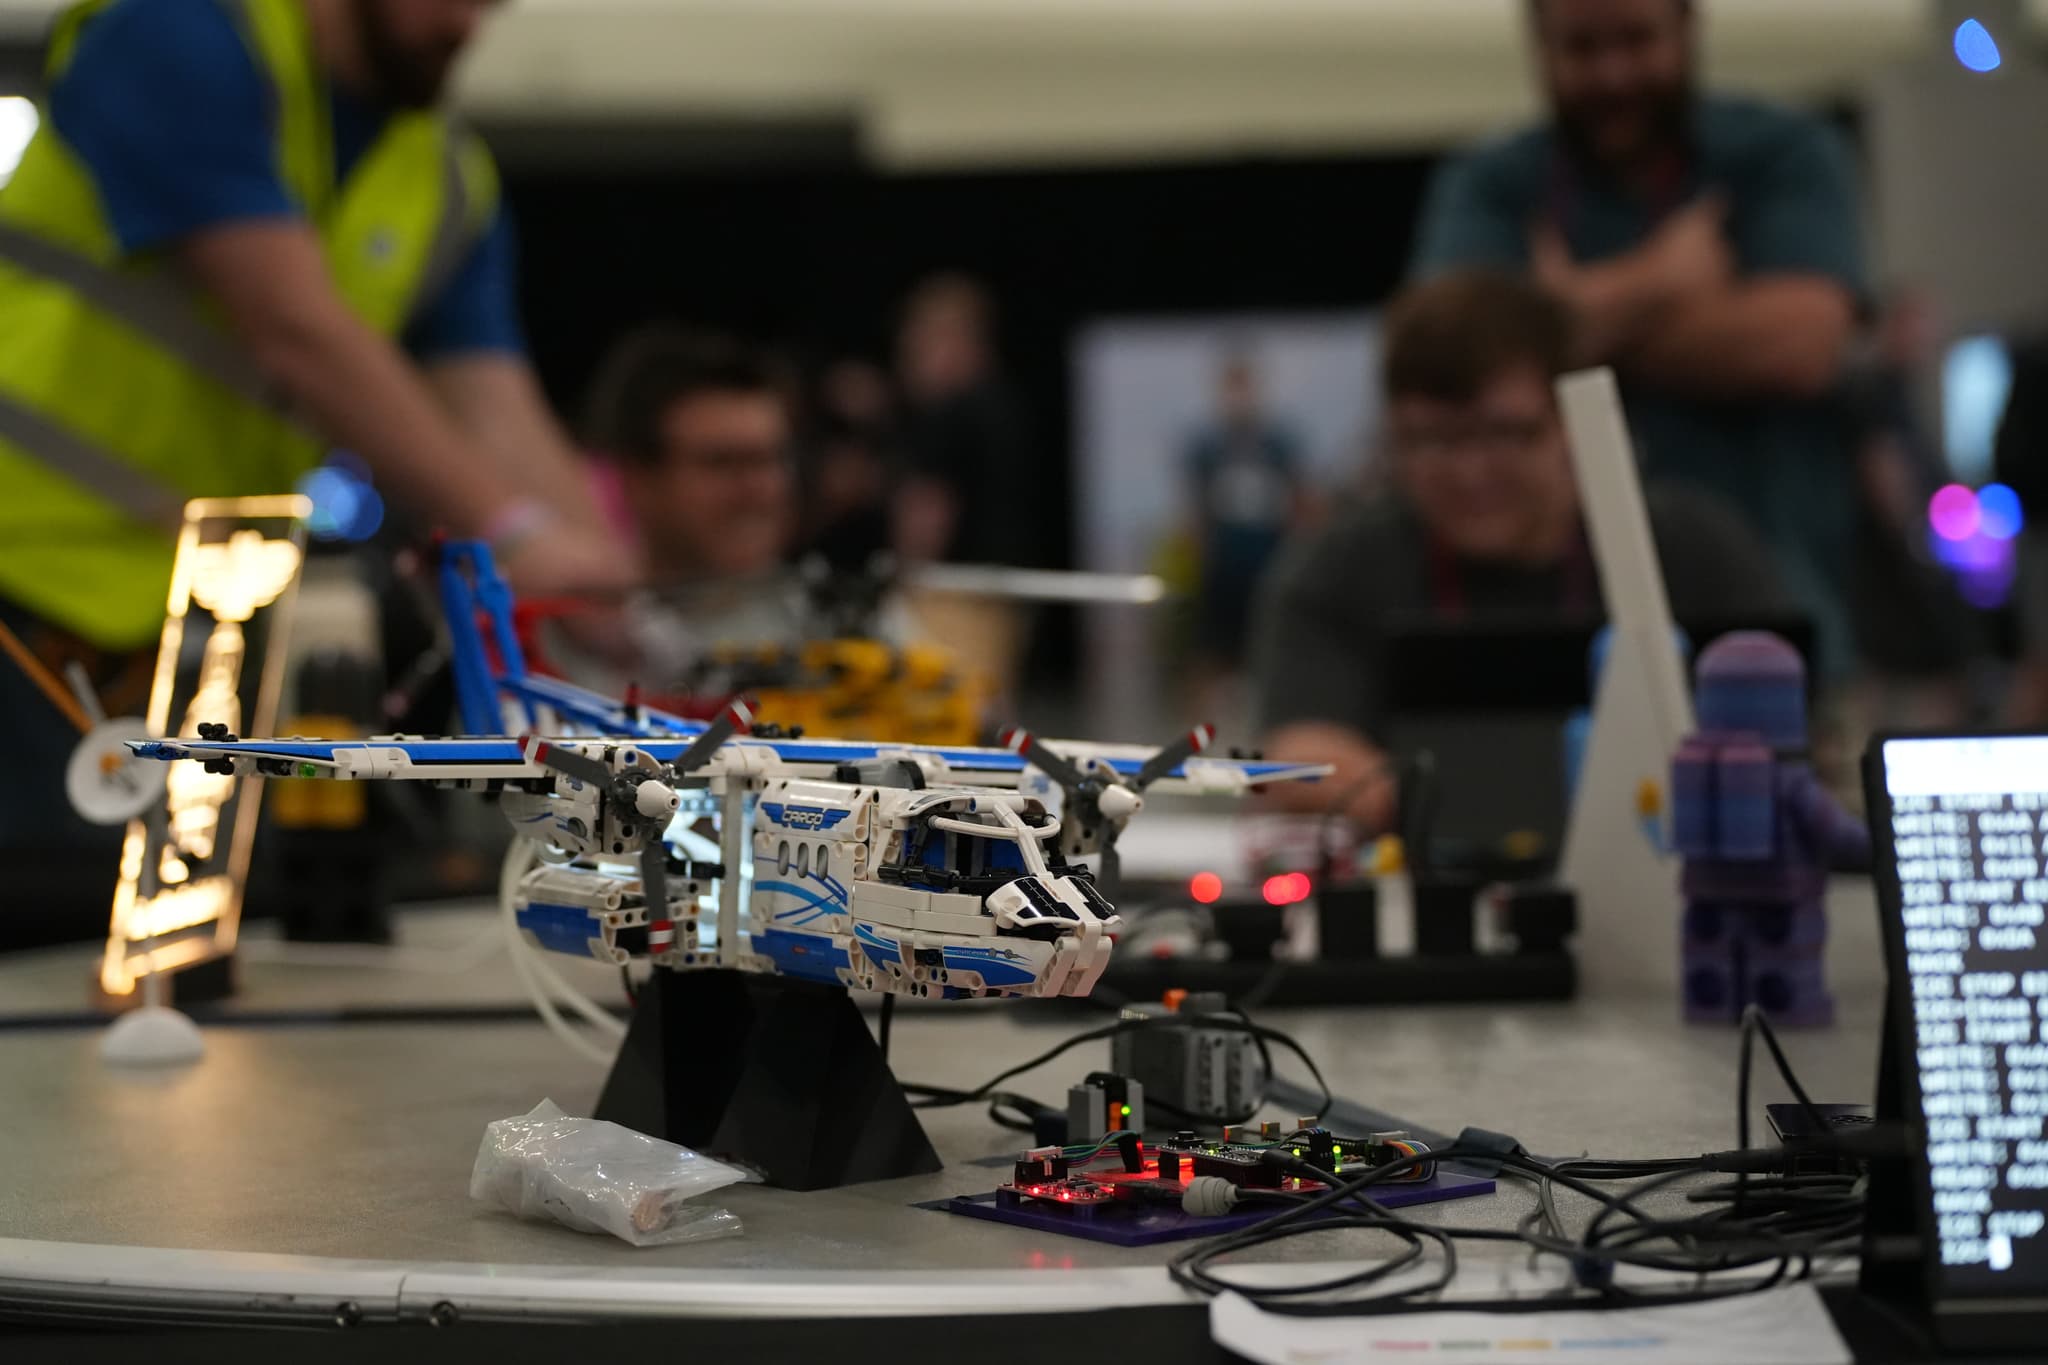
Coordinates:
[1206,888]
[1288,888]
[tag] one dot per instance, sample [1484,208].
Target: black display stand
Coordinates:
[1892,1271]
[780,1075]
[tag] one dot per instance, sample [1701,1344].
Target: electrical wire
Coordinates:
[540,979]
[933,1097]
[1006,1108]
[1771,1220]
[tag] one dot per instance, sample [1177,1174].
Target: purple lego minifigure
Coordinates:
[1759,835]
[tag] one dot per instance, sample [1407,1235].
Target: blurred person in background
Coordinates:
[697,427]
[1481,522]
[694,436]
[1243,472]
[1709,247]
[967,494]
[850,466]
[1914,631]
[242,237]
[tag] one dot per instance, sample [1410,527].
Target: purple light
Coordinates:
[1986,590]
[1953,513]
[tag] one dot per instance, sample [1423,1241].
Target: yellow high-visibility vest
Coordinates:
[121,392]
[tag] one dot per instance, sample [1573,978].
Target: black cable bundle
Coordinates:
[1767,1216]
[1778,1220]
[1015,1111]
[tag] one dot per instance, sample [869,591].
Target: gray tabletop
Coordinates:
[356,1140]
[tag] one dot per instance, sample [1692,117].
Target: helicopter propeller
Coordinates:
[1098,801]
[647,793]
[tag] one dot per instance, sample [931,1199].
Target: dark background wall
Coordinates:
[818,256]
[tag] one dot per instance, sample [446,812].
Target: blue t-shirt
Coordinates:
[1792,207]
[165,105]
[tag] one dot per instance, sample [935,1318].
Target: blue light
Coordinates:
[1975,47]
[345,507]
[1999,514]
[1976,380]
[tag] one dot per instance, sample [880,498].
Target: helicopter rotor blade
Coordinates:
[1051,762]
[1172,755]
[568,763]
[1109,871]
[654,877]
[736,719]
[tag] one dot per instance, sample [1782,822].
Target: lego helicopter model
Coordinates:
[903,869]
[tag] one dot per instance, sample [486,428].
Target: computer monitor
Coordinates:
[1961,826]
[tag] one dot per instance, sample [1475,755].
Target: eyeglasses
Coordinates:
[733,461]
[1505,437]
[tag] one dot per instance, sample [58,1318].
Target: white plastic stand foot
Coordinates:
[152,1035]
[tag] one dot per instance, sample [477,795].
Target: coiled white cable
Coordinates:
[539,977]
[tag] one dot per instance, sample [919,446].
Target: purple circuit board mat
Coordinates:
[1141,1225]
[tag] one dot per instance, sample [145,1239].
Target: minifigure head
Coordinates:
[1752,680]
[1477,444]
[700,426]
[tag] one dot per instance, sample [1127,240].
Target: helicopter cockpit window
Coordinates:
[971,846]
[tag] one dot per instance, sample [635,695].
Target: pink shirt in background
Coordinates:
[608,487]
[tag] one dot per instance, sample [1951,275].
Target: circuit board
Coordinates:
[1137,1200]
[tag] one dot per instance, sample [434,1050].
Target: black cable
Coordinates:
[1006,1108]
[1191,1268]
[888,1015]
[1753,1024]
[1262,990]
[1019,1113]
[1750,1247]
[1769,1218]
[938,1097]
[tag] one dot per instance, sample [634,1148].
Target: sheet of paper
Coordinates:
[1788,1326]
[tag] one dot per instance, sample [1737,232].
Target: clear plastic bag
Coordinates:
[598,1177]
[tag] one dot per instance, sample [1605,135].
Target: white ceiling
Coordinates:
[953,82]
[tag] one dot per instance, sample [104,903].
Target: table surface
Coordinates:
[356,1140]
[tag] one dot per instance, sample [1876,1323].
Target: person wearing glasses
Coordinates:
[693,433]
[696,429]
[1478,519]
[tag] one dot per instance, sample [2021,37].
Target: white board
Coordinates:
[1627,887]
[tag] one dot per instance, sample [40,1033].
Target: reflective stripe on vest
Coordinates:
[107,477]
[154,305]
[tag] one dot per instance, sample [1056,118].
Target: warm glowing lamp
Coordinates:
[184,864]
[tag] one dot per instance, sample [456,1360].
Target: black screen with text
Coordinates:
[1969,832]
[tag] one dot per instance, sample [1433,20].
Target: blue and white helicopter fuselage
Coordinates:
[939,891]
